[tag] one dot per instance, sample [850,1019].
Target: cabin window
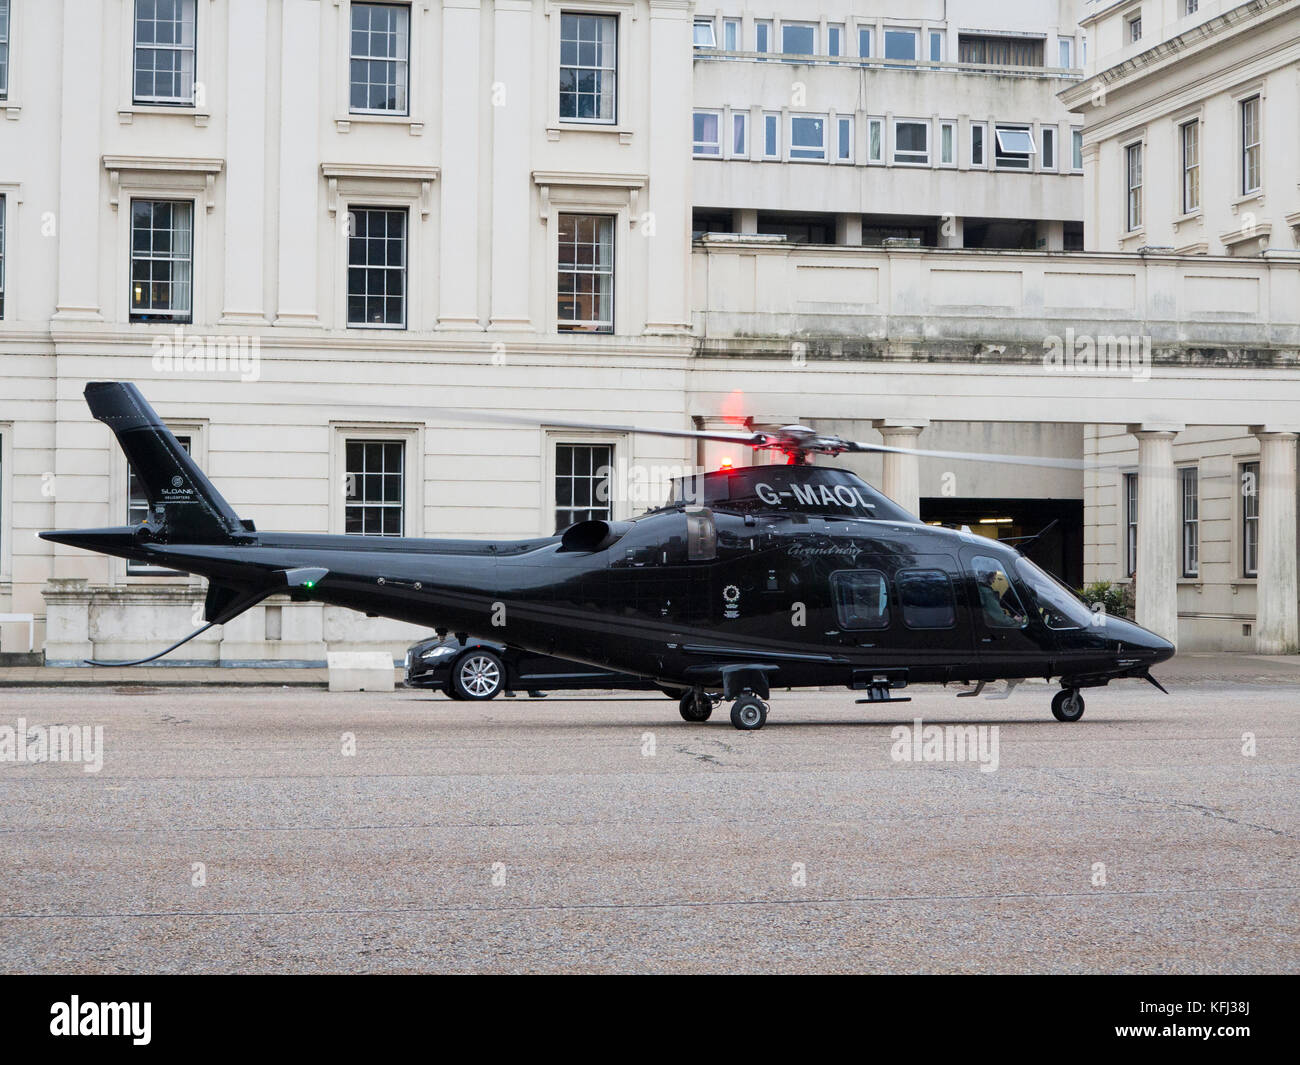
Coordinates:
[701,536]
[927,599]
[1000,605]
[861,599]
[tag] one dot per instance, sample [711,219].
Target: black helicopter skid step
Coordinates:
[882,695]
[879,683]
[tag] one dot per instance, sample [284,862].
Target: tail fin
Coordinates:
[183,505]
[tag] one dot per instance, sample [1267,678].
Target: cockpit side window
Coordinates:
[861,598]
[701,536]
[999,602]
[1059,607]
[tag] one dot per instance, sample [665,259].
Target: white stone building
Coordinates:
[365,217]
[1190,145]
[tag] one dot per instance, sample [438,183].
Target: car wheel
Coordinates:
[478,675]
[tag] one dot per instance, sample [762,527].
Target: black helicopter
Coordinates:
[747,579]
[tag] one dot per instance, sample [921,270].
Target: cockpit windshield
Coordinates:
[802,489]
[1059,607]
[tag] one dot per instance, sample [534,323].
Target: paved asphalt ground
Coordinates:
[608,858]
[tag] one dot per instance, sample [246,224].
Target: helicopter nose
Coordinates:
[1162,648]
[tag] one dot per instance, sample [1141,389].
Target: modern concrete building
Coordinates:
[315,231]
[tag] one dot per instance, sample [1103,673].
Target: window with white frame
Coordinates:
[1076,149]
[875,140]
[1133,181]
[901,43]
[1188,482]
[1134,24]
[1190,136]
[4,49]
[947,144]
[978,137]
[585,281]
[162,260]
[798,38]
[762,36]
[1250,519]
[739,134]
[374,474]
[771,135]
[1013,147]
[1250,145]
[1130,523]
[808,137]
[377,257]
[835,40]
[1190,6]
[936,46]
[844,138]
[864,42]
[3,205]
[704,34]
[911,143]
[379,63]
[731,35]
[164,52]
[137,510]
[1065,49]
[588,67]
[582,482]
[1048,135]
[707,137]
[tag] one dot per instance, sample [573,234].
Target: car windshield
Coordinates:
[1059,607]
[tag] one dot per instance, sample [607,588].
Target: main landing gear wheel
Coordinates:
[1067,705]
[478,675]
[749,713]
[695,707]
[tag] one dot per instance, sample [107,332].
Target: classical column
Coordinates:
[244,212]
[1276,629]
[666,247]
[901,480]
[80,171]
[299,175]
[513,222]
[1157,531]
[458,236]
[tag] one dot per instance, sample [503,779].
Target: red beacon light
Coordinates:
[725,466]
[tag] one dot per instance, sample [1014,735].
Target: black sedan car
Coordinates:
[481,669]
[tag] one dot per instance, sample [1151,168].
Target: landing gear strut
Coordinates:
[695,706]
[749,712]
[1067,705]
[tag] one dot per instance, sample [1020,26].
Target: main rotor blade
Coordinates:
[738,436]
[978,456]
[771,438]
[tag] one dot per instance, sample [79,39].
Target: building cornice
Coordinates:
[1247,17]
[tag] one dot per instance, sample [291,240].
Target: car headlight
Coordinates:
[436,652]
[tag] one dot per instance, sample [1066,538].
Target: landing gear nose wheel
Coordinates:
[749,713]
[695,707]
[1067,705]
